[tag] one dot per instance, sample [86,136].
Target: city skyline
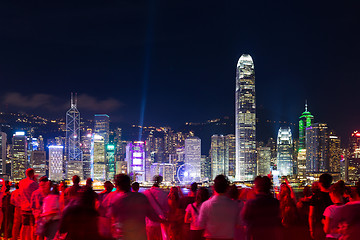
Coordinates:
[144,52]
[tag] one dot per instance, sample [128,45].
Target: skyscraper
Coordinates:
[73,164]
[101,126]
[245,119]
[38,162]
[285,152]
[193,158]
[19,162]
[317,148]
[56,162]
[3,139]
[334,153]
[353,168]
[263,160]
[304,122]
[110,161]
[98,156]
[135,157]
[217,155]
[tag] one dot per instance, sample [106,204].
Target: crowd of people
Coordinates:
[40,209]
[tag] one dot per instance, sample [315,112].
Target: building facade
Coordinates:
[263,161]
[317,148]
[285,152]
[3,142]
[56,162]
[245,119]
[193,158]
[19,161]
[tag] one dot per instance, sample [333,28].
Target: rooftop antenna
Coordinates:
[306,105]
[75,99]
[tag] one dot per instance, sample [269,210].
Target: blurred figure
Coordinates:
[192,214]
[219,215]
[37,199]
[2,193]
[79,220]
[319,202]
[175,215]
[135,187]
[62,188]
[8,212]
[104,221]
[262,215]
[159,202]
[347,217]
[15,201]
[51,212]
[184,202]
[336,192]
[27,186]
[128,211]
[72,192]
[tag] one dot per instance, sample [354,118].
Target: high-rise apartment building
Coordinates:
[304,123]
[86,141]
[73,163]
[263,161]
[3,140]
[193,159]
[205,168]
[222,155]
[135,157]
[110,162]
[245,119]
[101,126]
[317,148]
[335,153]
[285,152]
[19,161]
[56,162]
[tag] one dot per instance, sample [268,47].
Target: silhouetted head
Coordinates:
[233,192]
[76,179]
[194,187]
[30,173]
[202,195]
[135,186]
[157,180]
[325,180]
[108,186]
[221,184]
[262,184]
[122,182]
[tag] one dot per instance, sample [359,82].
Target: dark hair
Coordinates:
[202,195]
[221,183]
[338,188]
[108,186]
[174,194]
[43,179]
[307,191]
[76,179]
[135,186]
[325,180]
[30,172]
[122,182]
[89,182]
[55,189]
[263,184]
[157,180]
[233,192]
[194,187]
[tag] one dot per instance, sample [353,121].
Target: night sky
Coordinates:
[178,58]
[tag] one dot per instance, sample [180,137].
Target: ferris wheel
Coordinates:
[184,173]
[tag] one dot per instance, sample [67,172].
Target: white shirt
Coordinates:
[160,205]
[194,225]
[218,217]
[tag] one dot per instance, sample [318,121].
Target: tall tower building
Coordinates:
[3,139]
[285,152]
[73,164]
[334,153]
[353,162]
[217,150]
[98,156]
[263,160]
[38,162]
[304,122]
[317,148]
[56,162]
[135,157]
[193,158]
[110,161]
[245,119]
[101,126]
[230,155]
[19,161]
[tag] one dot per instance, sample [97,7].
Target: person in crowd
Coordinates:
[2,194]
[128,211]
[62,188]
[27,186]
[234,194]
[72,192]
[51,212]
[192,214]
[184,202]
[135,186]
[8,212]
[347,217]
[104,221]
[79,220]
[175,215]
[219,215]
[159,202]
[336,193]
[261,215]
[303,205]
[319,202]
[15,201]
[37,199]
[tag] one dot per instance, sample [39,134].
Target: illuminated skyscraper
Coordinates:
[56,162]
[98,158]
[353,168]
[38,162]
[263,161]
[101,126]
[335,153]
[19,162]
[135,157]
[3,139]
[304,122]
[110,161]
[217,155]
[193,158]
[245,119]
[317,148]
[285,152]
[73,164]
